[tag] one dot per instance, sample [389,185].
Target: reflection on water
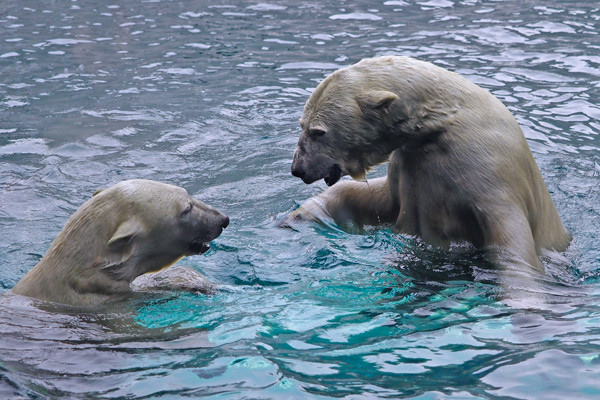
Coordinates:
[208,97]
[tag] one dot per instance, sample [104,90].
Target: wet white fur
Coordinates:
[459,166]
[131,228]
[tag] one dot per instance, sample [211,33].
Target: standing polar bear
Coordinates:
[127,230]
[459,168]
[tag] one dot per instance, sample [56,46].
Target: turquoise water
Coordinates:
[208,97]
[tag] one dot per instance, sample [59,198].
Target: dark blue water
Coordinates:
[208,97]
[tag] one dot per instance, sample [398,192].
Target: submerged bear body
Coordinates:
[460,169]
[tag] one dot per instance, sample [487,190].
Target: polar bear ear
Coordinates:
[123,235]
[375,100]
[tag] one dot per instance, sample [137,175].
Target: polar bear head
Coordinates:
[360,114]
[156,225]
[345,127]
[134,227]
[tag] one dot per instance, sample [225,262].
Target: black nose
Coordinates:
[298,171]
[225,222]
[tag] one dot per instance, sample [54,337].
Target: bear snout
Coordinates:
[298,171]
[298,164]
[220,223]
[224,221]
[319,167]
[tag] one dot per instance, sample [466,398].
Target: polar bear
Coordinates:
[460,169]
[134,227]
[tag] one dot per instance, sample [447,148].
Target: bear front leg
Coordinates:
[350,204]
[176,278]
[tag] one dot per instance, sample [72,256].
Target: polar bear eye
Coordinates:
[187,210]
[316,132]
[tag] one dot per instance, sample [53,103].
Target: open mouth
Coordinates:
[198,247]
[333,175]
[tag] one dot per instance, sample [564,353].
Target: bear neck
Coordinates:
[431,102]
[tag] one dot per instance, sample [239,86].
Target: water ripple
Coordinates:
[209,97]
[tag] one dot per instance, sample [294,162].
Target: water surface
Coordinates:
[208,97]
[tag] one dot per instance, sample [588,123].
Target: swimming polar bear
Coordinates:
[460,169]
[134,227]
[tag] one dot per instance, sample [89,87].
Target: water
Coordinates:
[208,96]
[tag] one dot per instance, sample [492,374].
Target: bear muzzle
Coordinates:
[320,167]
[298,171]
[200,244]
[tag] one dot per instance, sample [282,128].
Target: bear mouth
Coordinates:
[198,247]
[334,173]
